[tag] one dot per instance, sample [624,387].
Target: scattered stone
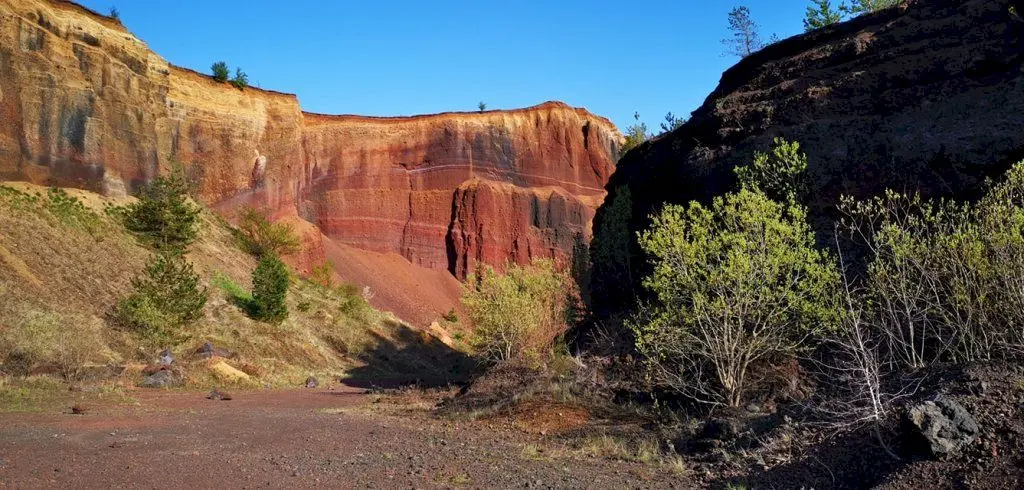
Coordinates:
[216,394]
[944,425]
[77,410]
[166,358]
[160,379]
[208,351]
[312,382]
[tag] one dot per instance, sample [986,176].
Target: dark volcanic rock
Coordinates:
[944,425]
[926,97]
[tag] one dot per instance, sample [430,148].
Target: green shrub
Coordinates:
[164,217]
[220,71]
[780,174]
[735,284]
[944,279]
[518,314]
[451,316]
[167,297]
[258,236]
[270,289]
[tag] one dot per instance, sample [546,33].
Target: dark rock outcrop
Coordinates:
[926,97]
[943,425]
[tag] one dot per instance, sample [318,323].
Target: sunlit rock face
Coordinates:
[85,103]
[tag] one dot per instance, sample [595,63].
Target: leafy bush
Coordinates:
[270,282]
[45,338]
[451,316]
[781,174]
[261,238]
[519,314]
[167,297]
[323,274]
[164,217]
[944,279]
[735,284]
[220,71]
[636,135]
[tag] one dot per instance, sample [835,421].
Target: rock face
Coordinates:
[85,103]
[448,190]
[926,97]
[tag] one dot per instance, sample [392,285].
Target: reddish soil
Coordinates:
[313,438]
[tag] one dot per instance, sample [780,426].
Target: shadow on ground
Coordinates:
[410,357]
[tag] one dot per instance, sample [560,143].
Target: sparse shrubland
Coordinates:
[75,300]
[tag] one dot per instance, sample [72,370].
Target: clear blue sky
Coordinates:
[381,57]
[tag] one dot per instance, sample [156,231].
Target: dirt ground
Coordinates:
[329,438]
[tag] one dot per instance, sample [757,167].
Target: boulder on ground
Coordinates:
[944,425]
[312,382]
[208,351]
[160,379]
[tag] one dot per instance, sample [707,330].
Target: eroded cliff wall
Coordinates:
[85,103]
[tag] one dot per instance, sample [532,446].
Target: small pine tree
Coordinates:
[241,80]
[164,217]
[114,14]
[820,14]
[858,7]
[672,123]
[482,106]
[270,289]
[166,297]
[745,38]
[220,71]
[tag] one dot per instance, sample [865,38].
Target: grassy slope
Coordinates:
[70,265]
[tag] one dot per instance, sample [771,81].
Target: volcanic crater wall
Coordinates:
[85,103]
[926,97]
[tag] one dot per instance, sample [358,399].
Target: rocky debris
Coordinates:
[166,358]
[312,382]
[208,351]
[77,409]
[160,379]
[216,394]
[944,424]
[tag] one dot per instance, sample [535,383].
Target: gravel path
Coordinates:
[312,438]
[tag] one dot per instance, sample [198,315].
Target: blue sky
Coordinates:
[387,58]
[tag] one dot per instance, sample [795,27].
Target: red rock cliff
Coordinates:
[85,103]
